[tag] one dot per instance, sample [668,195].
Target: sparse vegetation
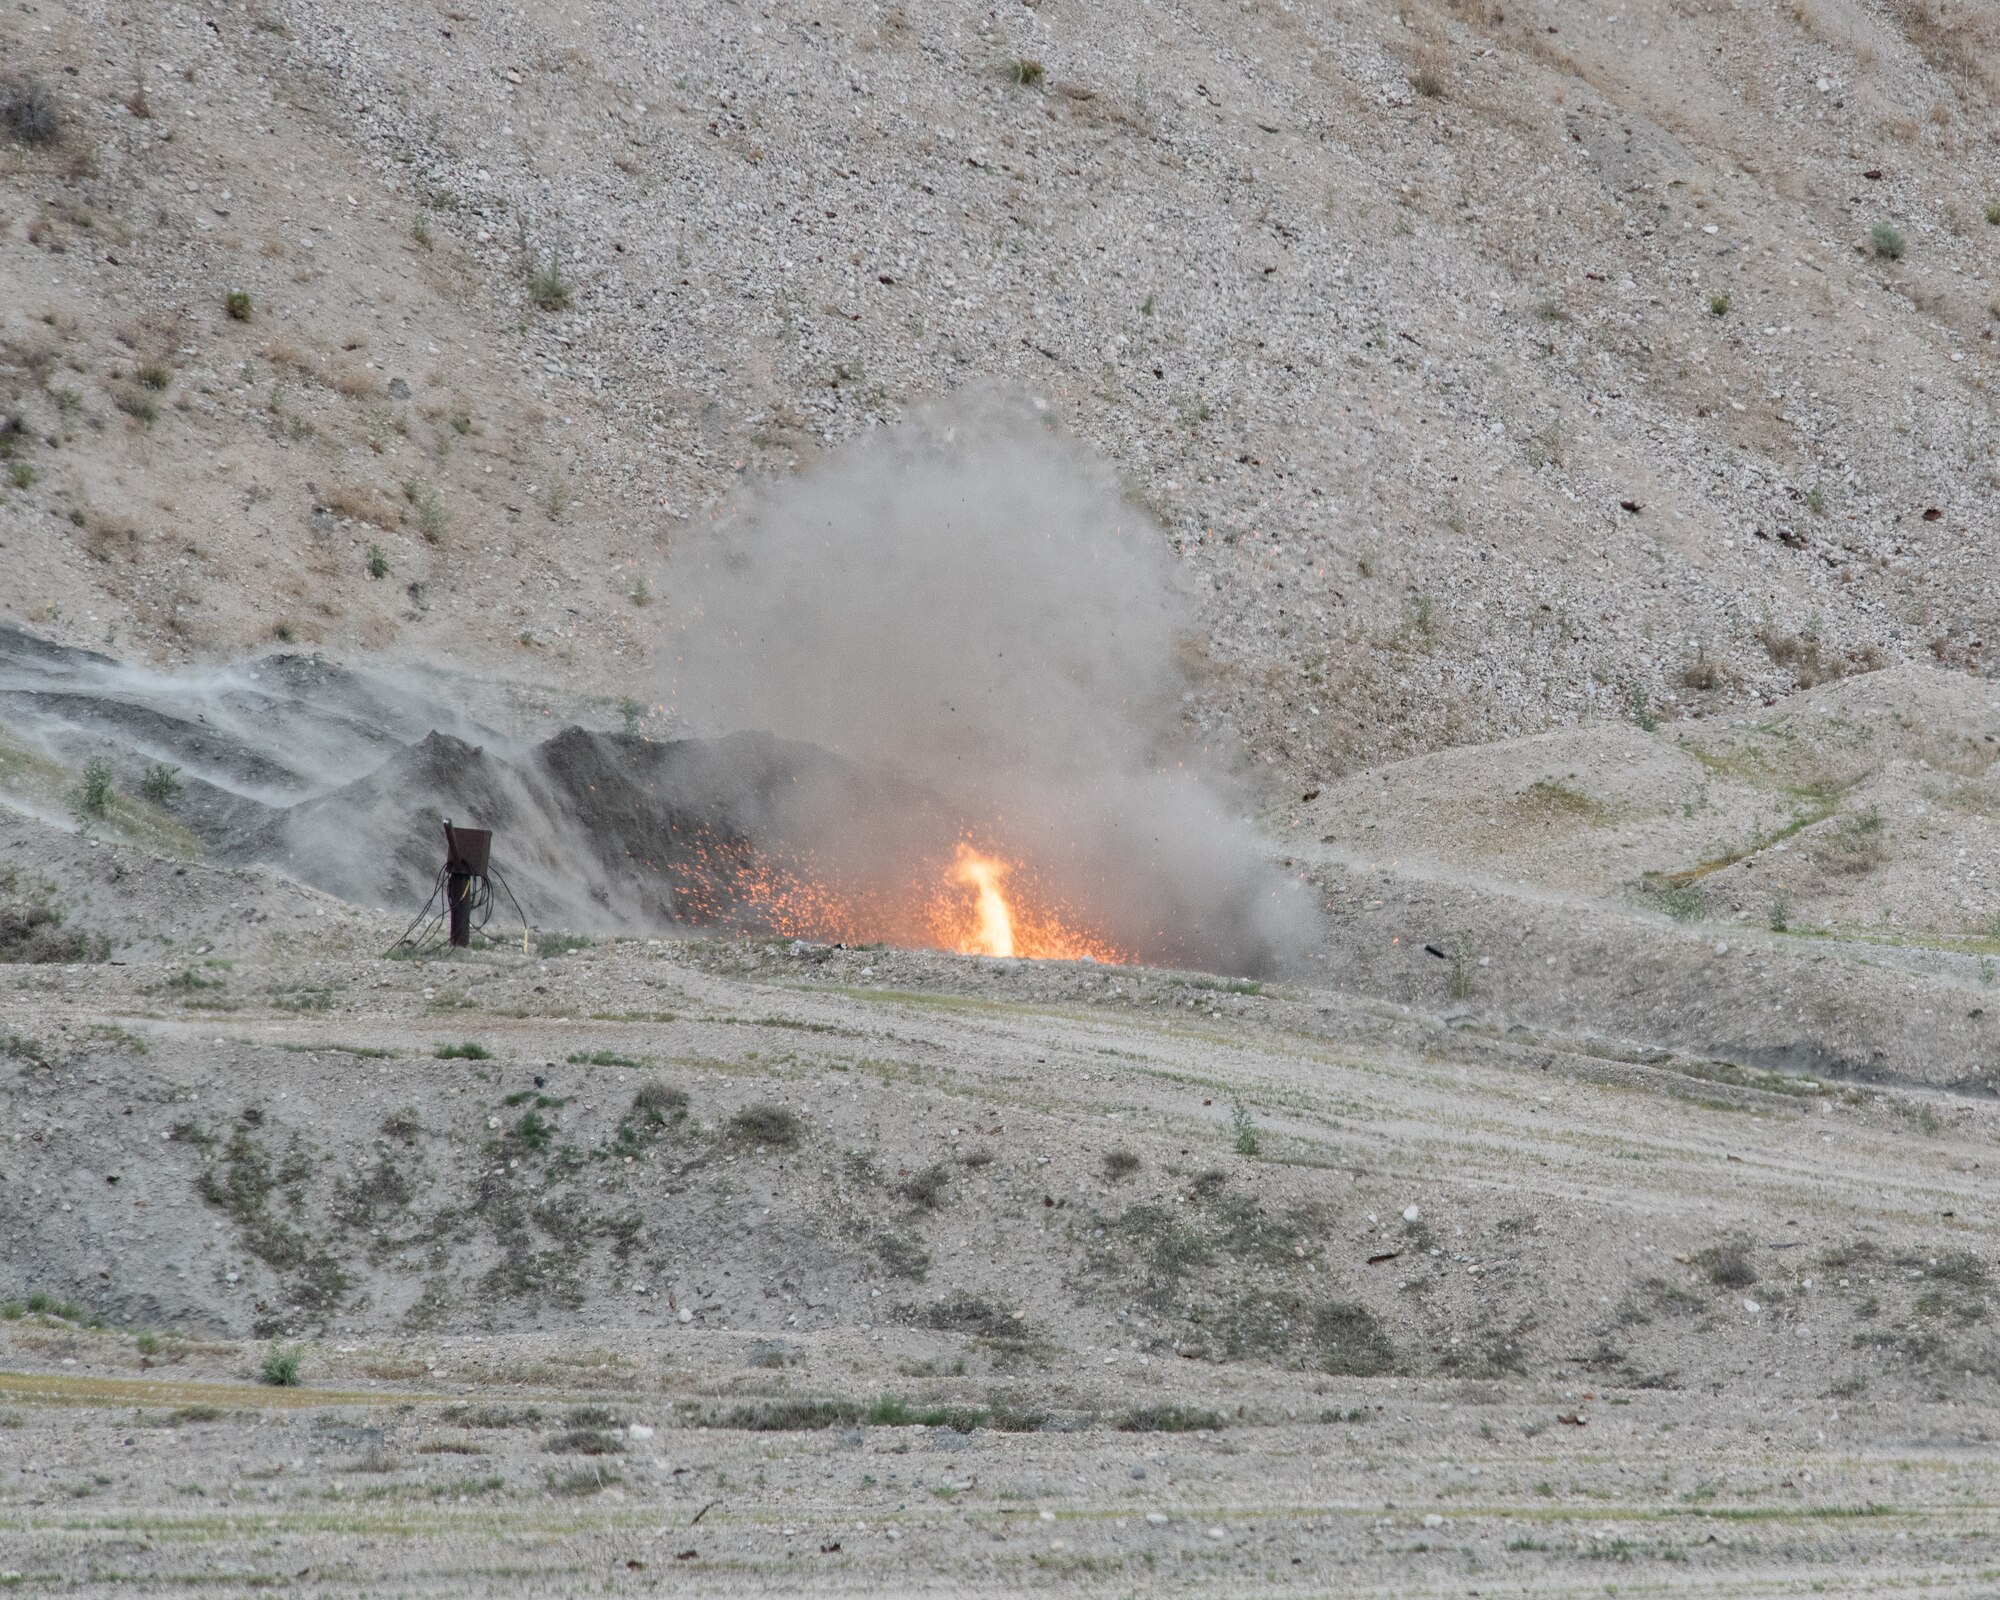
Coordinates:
[432,519]
[548,288]
[237,304]
[155,375]
[1246,1140]
[1463,967]
[1727,1265]
[586,1441]
[1993,213]
[30,112]
[928,1188]
[161,783]
[281,1365]
[1887,241]
[891,1412]
[1684,902]
[1025,72]
[1120,1164]
[91,797]
[660,1103]
[378,563]
[790,1416]
[467,1051]
[534,1130]
[1858,843]
[765,1124]
[1702,673]
[1718,305]
[1169,1419]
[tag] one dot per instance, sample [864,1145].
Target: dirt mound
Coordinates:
[593,829]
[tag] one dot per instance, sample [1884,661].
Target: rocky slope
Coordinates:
[1486,366]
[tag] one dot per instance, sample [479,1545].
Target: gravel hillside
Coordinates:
[1487,366]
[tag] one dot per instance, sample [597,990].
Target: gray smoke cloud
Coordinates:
[970,605]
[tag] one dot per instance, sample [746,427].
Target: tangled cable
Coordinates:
[430,928]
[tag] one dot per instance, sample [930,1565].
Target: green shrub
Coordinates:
[92,795]
[1247,1142]
[1887,240]
[1718,305]
[788,1416]
[1168,1419]
[1027,72]
[161,783]
[156,375]
[22,474]
[432,518]
[548,288]
[534,1130]
[1684,902]
[237,304]
[281,1365]
[378,563]
[891,1412]
[468,1051]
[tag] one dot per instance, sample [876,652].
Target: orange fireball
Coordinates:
[1004,917]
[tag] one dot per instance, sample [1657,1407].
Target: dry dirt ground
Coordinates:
[1622,1247]
[761,1268]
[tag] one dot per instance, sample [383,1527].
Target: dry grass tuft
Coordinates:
[364,503]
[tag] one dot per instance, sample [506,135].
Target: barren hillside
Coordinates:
[1572,431]
[1488,366]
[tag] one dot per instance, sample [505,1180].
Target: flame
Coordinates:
[1008,913]
[978,901]
[995,932]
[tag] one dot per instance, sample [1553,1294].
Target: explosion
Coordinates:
[995,925]
[976,902]
[995,934]
[979,643]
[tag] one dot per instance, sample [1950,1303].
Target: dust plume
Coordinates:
[968,606]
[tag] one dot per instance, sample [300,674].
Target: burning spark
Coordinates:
[976,902]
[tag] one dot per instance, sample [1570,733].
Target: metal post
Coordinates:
[465,856]
[458,894]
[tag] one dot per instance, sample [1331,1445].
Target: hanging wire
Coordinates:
[429,929]
[423,942]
